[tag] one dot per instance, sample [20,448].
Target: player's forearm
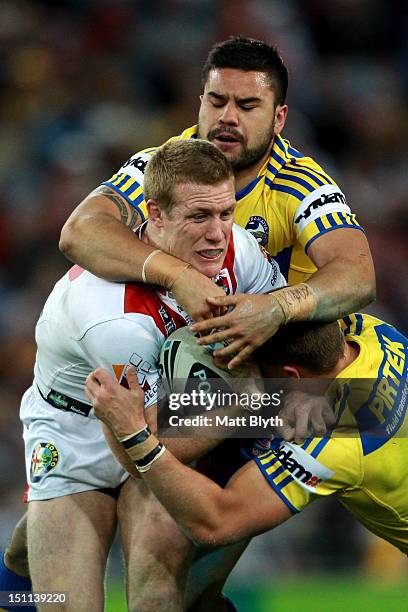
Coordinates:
[195,502]
[336,289]
[101,244]
[341,287]
[187,450]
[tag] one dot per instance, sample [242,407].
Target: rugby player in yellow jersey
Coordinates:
[286,199]
[364,462]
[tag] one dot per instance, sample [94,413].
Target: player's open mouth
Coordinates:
[211,253]
[226,141]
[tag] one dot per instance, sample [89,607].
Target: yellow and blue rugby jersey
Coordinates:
[287,206]
[365,460]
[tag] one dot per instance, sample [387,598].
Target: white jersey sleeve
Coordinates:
[132,341]
[255,270]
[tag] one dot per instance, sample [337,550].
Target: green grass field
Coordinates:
[320,594]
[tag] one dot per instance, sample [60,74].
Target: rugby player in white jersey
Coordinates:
[77,490]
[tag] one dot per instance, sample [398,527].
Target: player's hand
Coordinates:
[253,320]
[120,408]
[191,291]
[305,415]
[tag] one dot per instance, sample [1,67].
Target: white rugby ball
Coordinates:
[186,365]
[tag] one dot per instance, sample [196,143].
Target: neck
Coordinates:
[351,352]
[149,236]
[246,175]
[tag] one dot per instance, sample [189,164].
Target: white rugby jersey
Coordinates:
[88,322]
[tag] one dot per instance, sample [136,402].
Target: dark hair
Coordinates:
[183,161]
[249,54]
[316,346]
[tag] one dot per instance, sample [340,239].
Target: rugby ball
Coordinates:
[185,365]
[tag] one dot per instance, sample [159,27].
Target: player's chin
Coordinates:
[208,267]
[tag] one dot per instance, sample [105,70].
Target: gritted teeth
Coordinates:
[211,253]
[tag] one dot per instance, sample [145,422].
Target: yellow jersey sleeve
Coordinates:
[317,468]
[128,181]
[313,202]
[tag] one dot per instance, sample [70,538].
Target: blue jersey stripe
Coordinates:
[272,169]
[284,482]
[309,173]
[241,194]
[332,220]
[320,225]
[275,487]
[276,472]
[295,179]
[319,447]
[137,200]
[359,324]
[283,260]
[278,158]
[285,189]
[294,152]
[134,204]
[330,229]
[343,402]
[307,443]
[279,143]
[349,323]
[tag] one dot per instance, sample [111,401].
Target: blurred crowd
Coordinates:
[86,83]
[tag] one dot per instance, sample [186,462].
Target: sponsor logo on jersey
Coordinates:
[330,198]
[168,322]
[223,280]
[305,469]
[137,162]
[143,369]
[44,458]
[259,229]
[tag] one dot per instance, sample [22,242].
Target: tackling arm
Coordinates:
[210,515]
[343,283]
[98,237]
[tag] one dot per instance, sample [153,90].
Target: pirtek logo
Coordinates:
[297,470]
[137,162]
[331,198]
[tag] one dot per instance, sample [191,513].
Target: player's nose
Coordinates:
[229,114]
[214,231]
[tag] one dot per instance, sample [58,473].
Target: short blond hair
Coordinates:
[183,161]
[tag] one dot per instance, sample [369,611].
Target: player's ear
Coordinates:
[201,97]
[155,213]
[281,112]
[291,371]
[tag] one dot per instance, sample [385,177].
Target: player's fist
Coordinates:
[120,408]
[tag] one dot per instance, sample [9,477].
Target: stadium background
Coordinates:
[83,85]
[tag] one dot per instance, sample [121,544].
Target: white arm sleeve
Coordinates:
[255,271]
[116,344]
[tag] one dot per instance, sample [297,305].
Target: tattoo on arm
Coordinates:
[128,215]
[298,302]
[295,295]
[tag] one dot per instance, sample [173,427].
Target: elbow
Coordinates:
[205,536]
[368,291]
[70,236]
